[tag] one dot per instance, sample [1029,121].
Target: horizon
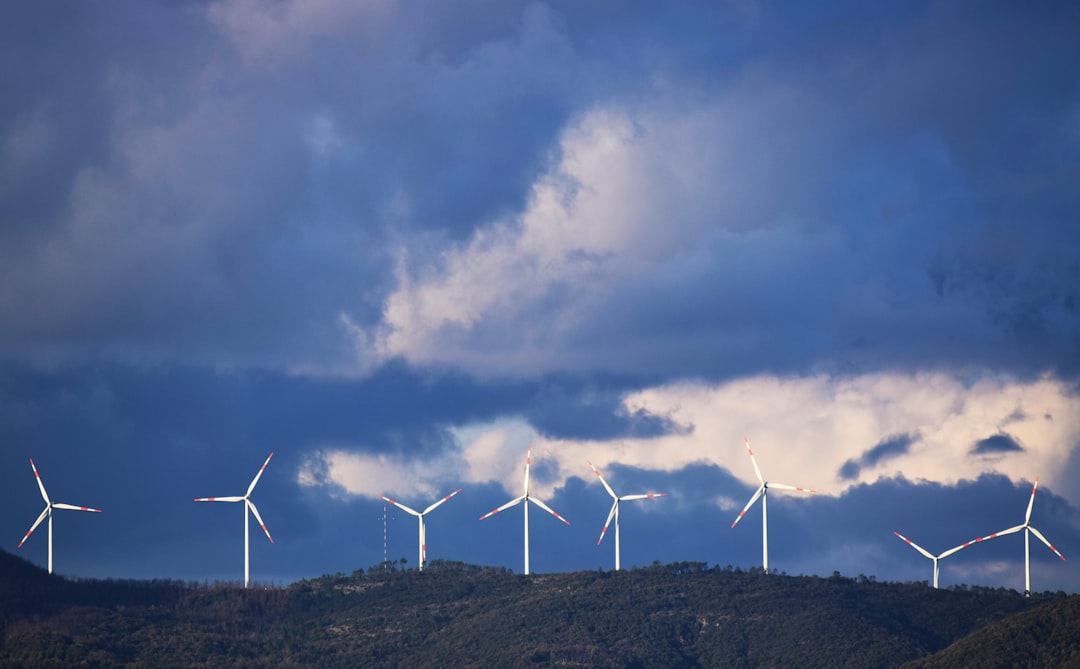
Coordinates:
[395,566]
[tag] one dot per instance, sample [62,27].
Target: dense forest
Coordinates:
[1046,636]
[451,614]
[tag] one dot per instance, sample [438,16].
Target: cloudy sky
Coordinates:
[397,243]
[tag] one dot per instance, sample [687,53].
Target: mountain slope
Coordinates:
[1047,636]
[682,615]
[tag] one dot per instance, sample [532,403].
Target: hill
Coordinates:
[681,615]
[1047,636]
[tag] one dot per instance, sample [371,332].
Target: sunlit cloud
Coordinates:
[485,453]
[350,473]
[806,431]
[634,193]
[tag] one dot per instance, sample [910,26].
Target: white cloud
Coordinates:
[371,475]
[803,430]
[485,454]
[632,194]
[271,30]
[669,229]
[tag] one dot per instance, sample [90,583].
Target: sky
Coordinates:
[397,243]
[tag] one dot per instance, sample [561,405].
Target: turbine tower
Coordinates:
[763,493]
[614,513]
[1028,530]
[248,505]
[526,498]
[935,558]
[49,506]
[420,516]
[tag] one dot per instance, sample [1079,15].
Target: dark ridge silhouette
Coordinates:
[452,614]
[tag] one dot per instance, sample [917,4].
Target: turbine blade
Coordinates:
[34,526]
[607,522]
[547,508]
[401,506]
[997,534]
[606,486]
[504,507]
[75,508]
[1043,539]
[258,475]
[916,546]
[784,486]
[649,495]
[954,549]
[251,505]
[441,501]
[749,504]
[528,460]
[1031,502]
[752,460]
[219,499]
[40,485]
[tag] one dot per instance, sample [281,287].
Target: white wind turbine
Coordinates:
[526,498]
[1028,530]
[614,513]
[420,516]
[935,558]
[49,506]
[248,505]
[763,493]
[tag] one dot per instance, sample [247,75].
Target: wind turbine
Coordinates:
[763,493]
[526,498]
[49,506]
[248,505]
[935,558]
[615,510]
[420,515]
[1028,530]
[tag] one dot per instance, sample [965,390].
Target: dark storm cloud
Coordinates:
[577,408]
[183,206]
[184,183]
[995,444]
[883,230]
[394,411]
[884,450]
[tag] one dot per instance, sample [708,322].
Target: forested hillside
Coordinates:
[681,615]
[1047,636]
